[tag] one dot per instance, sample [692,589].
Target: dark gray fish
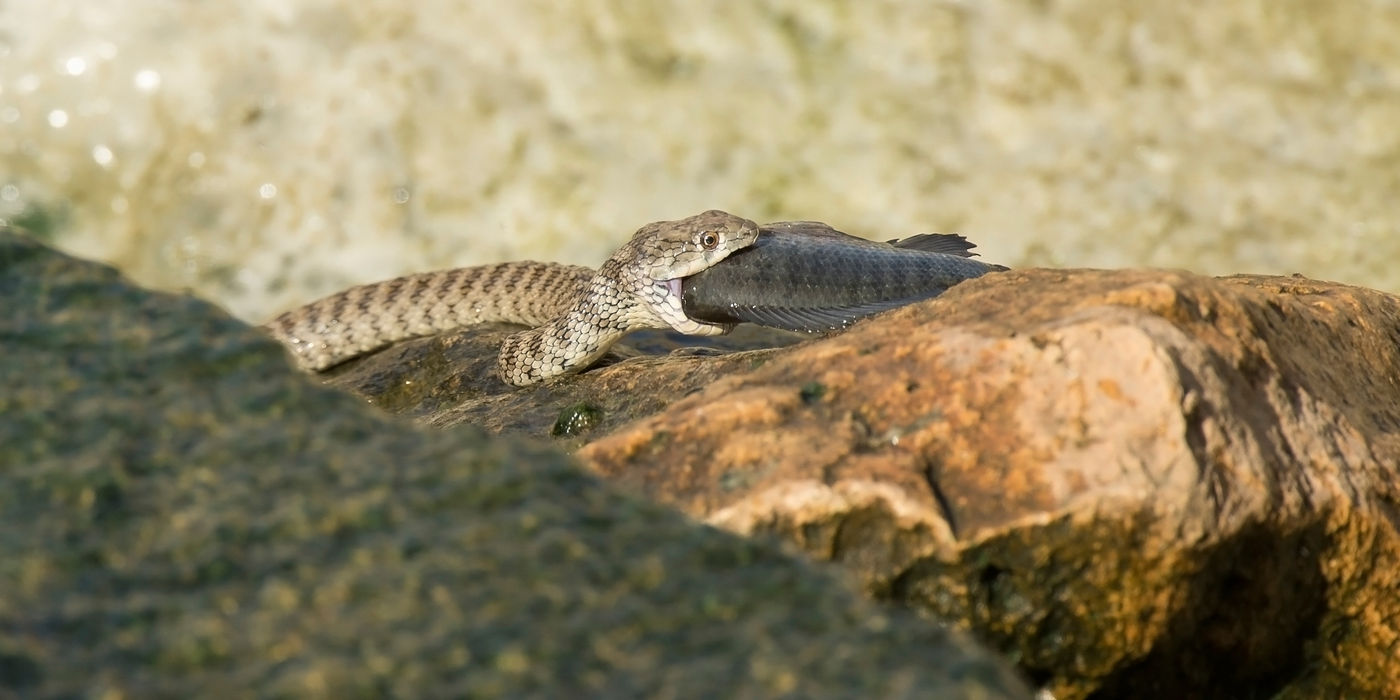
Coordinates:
[807,276]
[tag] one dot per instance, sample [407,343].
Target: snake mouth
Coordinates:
[673,286]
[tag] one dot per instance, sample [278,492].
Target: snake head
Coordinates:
[668,250]
[661,254]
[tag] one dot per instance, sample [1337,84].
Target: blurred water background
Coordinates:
[266,152]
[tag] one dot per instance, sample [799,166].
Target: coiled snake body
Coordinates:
[577,312]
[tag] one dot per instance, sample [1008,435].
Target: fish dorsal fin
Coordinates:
[811,228]
[946,243]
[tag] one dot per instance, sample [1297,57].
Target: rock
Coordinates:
[185,516]
[1135,483]
[451,379]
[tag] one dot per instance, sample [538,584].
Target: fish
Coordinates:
[808,277]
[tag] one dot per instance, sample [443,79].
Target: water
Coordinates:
[263,154]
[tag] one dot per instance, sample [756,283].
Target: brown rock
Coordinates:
[1128,480]
[1136,483]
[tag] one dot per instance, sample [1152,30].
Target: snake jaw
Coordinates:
[667,306]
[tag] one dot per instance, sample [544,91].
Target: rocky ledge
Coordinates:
[183,515]
[1137,484]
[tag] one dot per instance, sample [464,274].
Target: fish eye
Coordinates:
[708,240]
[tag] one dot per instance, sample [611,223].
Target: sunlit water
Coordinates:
[264,153]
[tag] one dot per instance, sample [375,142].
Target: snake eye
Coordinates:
[709,241]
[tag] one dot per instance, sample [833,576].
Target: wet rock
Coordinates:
[1135,483]
[184,515]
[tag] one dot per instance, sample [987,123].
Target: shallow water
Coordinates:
[262,154]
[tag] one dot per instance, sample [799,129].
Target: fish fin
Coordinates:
[820,319]
[946,243]
[809,228]
[798,225]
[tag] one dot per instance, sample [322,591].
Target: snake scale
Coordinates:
[577,313]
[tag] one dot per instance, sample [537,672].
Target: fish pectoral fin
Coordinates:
[820,319]
[946,243]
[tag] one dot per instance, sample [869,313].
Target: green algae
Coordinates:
[577,419]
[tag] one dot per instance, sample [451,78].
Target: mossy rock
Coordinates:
[183,515]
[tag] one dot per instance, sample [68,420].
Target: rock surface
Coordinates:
[1136,483]
[451,379]
[184,516]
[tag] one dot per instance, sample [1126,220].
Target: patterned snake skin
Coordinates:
[577,312]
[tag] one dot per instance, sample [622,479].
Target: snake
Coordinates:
[575,313]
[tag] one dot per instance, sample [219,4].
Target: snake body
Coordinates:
[577,313]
